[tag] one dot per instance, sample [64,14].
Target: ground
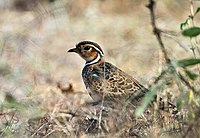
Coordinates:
[44,81]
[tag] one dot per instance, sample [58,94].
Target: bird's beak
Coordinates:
[72,50]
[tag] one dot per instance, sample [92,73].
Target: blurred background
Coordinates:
[36,34]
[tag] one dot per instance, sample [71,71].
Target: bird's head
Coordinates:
[91,52]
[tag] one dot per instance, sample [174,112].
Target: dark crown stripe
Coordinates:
[94,45]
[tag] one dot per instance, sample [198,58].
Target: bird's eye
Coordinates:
[87,48]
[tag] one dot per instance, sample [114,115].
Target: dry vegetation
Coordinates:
[41,89]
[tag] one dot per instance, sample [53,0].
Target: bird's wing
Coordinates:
[109,79]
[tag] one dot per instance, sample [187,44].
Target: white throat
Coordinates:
[93,61]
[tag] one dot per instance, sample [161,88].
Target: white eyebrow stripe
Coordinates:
[93,61]
[101,53]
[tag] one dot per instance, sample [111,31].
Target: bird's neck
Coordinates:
[98,60]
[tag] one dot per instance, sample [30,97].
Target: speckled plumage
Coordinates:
[104,80]
[107,80]
[110,86]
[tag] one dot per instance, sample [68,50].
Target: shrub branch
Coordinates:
[157,32]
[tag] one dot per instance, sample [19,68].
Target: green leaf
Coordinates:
[184,24]
[198,10]
[190,74]
[191,32]
[188,62]
[147,99]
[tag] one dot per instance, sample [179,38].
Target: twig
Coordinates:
[157,31]
[158,78]
[192,11]
[179,43]
[49,134]
[187,83]
[193,44]
[39,129]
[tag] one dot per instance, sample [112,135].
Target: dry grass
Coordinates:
[42,92]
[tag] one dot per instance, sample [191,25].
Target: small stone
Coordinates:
[65,86]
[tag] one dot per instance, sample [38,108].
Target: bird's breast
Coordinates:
[94,96]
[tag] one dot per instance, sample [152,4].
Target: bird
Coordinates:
[112,88]
[104,81]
